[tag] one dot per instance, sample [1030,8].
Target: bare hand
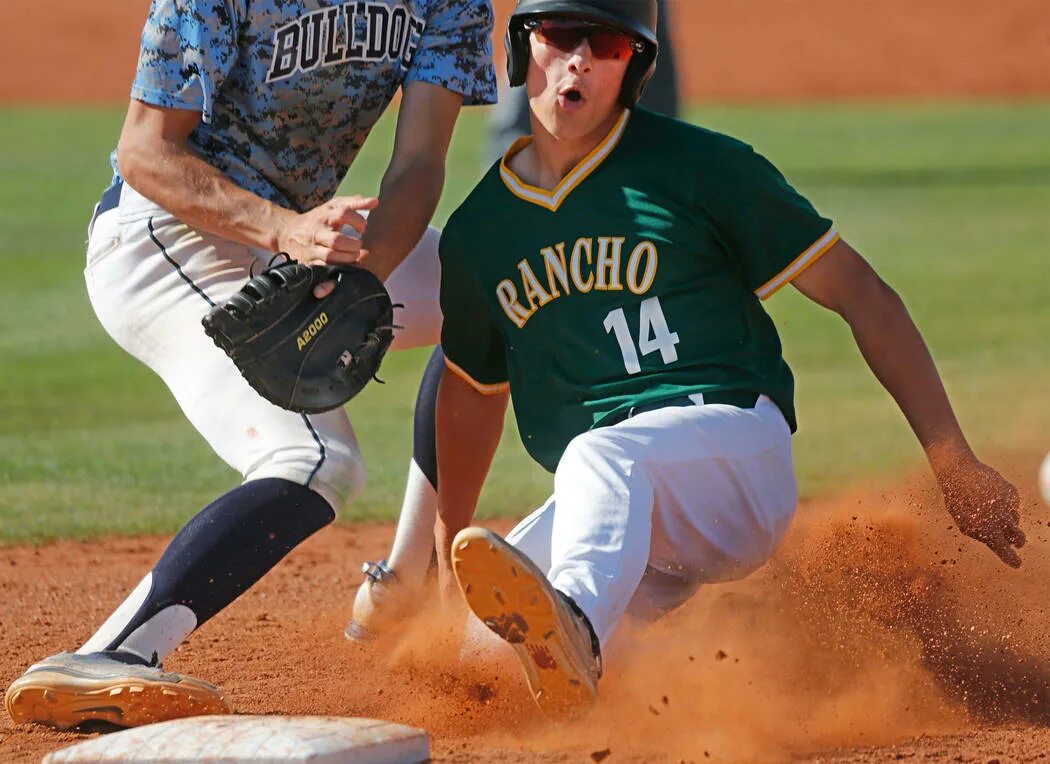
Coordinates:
[985,507]
[316,237]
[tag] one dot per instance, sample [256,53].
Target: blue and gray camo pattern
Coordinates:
[290,89]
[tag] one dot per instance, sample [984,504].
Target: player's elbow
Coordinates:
[876,293]
[152,136]
[133,157]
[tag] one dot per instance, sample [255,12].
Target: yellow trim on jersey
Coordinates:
[553,199]
[799,264]
[496,389]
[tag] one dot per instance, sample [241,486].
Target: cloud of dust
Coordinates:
[876,621]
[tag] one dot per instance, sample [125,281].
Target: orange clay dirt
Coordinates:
[876,632]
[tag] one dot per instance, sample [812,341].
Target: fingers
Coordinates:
[355,202]
[1006,541]
[324,289]
[1001,534]
[337,241]
[329,234]
[1015,535]
[1003,538]
[1009,504]
[343,210]
[1006,553]
[332,248]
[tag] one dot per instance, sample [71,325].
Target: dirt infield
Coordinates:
[71,51]
[876,633]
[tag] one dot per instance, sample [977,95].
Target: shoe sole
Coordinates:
[63,698]
[513,598]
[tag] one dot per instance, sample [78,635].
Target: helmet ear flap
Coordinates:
[517,45]
[639,72]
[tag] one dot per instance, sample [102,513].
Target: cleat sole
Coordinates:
[512,598]
[63,700]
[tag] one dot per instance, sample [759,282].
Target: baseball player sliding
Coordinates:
[609,274]
[243,121]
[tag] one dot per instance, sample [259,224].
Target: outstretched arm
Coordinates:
[982,502]
[469,425]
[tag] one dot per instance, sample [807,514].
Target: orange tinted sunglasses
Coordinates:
[566,35]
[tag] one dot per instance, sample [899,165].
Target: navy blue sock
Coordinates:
[228,546]
[424,445]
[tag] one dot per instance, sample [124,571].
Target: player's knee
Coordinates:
[341,478]
[336,471]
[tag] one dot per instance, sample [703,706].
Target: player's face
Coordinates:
[575,75]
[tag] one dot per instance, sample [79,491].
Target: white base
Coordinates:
[256,739]
[1044,479]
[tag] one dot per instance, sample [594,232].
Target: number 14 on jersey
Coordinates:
[653,335]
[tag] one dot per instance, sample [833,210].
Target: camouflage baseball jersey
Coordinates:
[637,279]
[290,90]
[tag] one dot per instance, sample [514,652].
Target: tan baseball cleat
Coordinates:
[69,689]
[515,600]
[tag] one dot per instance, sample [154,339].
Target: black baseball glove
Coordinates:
[299,352]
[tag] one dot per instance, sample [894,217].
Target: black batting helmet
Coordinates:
[637,17]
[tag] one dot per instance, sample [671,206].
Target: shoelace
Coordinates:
[596,646]
[379,572]
[131,659]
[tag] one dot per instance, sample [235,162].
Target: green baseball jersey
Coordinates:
[638,278]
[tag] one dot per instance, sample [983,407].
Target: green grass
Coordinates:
[949,202]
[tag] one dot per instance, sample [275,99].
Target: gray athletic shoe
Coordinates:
[380,602]
[68,689]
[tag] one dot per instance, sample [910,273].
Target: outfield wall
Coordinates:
[75,51]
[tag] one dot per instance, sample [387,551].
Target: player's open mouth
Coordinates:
[569,97]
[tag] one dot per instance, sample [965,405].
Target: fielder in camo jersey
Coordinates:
[244,119]
[609,274]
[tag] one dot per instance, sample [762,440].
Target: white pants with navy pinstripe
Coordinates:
[151,278]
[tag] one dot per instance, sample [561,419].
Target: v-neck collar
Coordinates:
[553,199]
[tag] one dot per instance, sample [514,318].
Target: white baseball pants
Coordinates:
[692,494]
[151,278]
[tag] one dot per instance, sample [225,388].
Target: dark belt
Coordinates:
[742,399]
[110,198]
[109,201]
